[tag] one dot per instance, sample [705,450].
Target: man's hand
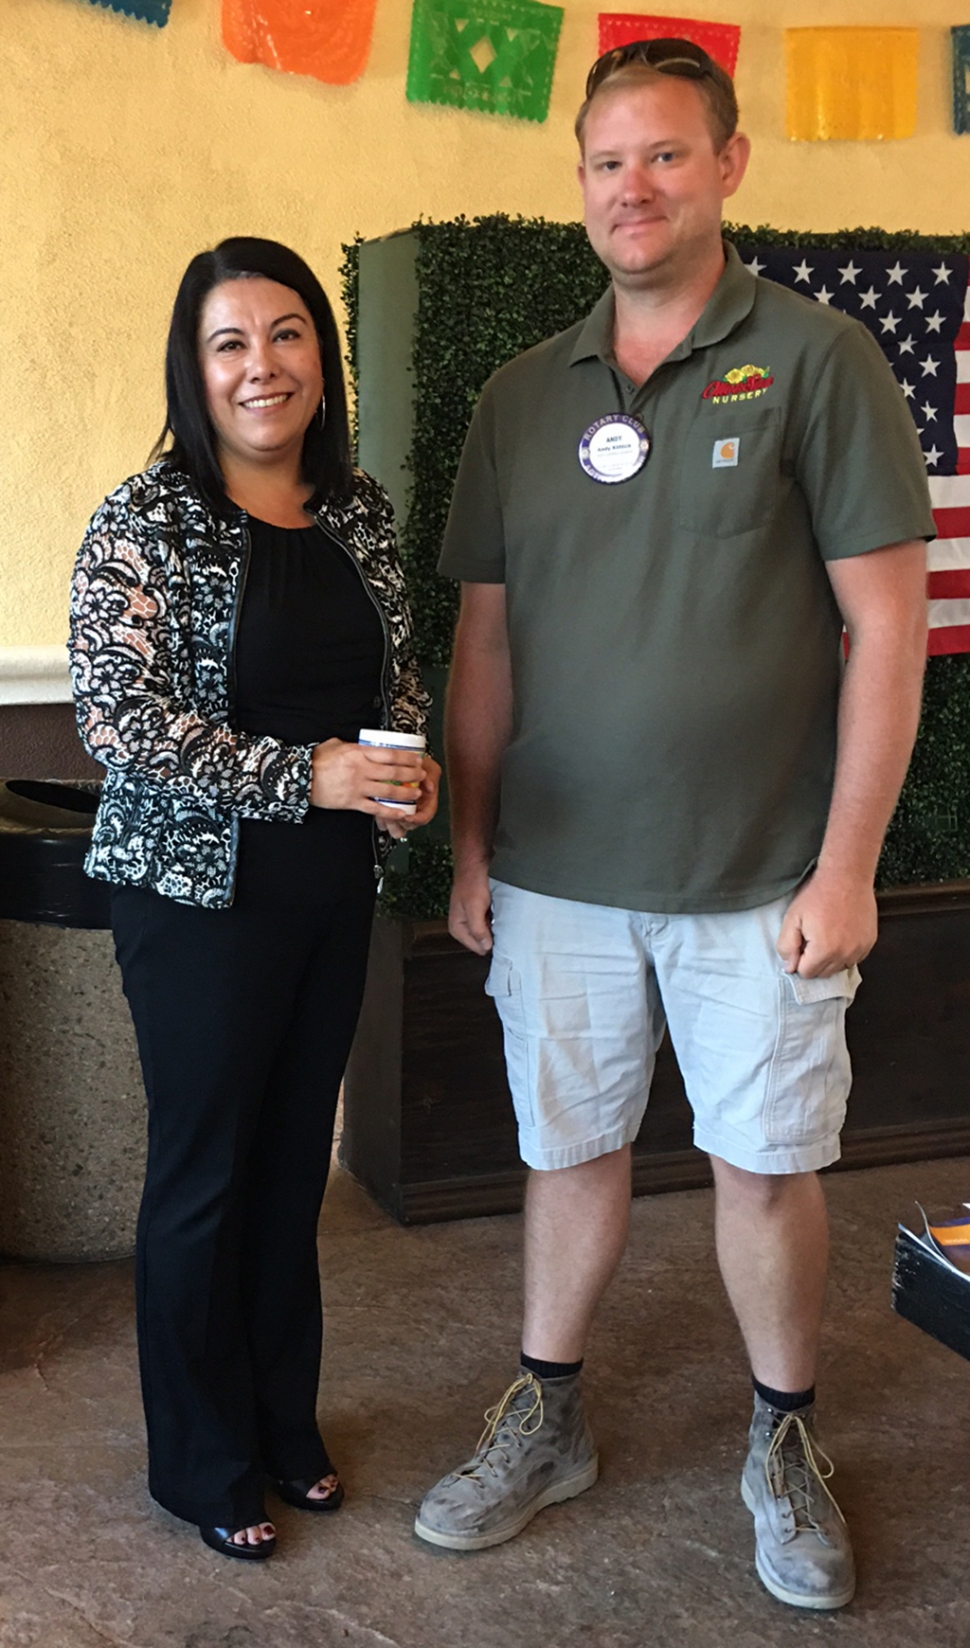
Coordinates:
[478,725]
[469,919]
[831,924]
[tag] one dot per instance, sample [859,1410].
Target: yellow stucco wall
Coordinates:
[126,149]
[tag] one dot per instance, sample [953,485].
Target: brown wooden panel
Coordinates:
[454,1095]
[909,1028]
[41,741]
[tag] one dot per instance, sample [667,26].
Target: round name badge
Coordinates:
[614,448]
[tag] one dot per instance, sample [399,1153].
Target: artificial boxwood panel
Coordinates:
[482,291]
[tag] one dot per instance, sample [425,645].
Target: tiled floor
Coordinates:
[421,1338]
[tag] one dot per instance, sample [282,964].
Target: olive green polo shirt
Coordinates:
[675,643]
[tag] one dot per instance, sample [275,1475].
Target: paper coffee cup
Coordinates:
[385,738]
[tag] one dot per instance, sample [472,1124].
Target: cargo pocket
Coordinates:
[810,1075]
[720,502]
[505,988]
[498,984]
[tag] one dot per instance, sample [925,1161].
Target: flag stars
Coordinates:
[918,320]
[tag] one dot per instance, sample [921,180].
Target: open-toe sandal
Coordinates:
[297,1492]
[223,1540]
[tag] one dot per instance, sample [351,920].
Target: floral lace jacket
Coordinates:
[155,601]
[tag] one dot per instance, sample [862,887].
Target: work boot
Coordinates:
[802,1549]
[536,1449]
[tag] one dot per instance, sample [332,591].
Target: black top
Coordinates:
[310,644]
[309,655]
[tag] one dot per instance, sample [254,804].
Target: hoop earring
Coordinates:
[322,410]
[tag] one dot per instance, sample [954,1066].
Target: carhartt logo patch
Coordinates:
[742,383]
[726,453]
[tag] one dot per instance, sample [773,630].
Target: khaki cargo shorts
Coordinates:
[584,992]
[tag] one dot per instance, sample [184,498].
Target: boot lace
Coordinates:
[797,1470]
[506,1418]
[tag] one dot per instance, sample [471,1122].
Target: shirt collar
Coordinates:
[728,305]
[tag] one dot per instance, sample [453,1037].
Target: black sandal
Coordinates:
[223,1540]
[297,1493]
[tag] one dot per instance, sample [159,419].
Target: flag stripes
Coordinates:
[948,558]
[961,397]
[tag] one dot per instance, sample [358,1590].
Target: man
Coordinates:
[662,519]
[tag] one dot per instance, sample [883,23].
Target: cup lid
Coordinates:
[389,739]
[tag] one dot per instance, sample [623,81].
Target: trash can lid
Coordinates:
[45,832]
[35,805]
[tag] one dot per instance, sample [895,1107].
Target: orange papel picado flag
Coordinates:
[328,39]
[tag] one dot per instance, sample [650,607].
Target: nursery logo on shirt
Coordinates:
[742,383]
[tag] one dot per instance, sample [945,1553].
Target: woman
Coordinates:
[238,615]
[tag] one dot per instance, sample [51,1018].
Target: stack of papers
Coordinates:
[947,1237]
[931,1275]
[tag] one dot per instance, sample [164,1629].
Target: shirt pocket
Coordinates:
[720,498]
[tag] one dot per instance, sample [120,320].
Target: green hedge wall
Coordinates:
[505,284]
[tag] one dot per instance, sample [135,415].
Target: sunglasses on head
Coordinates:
[666,56]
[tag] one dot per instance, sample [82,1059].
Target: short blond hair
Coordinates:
[716,88]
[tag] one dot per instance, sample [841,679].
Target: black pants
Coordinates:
[244,1019]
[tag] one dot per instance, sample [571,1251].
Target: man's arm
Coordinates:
[831,923]
[478,725]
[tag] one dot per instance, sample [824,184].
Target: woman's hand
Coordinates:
[427,802]
[361,778]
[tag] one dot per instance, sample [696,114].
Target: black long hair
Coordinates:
[188,440]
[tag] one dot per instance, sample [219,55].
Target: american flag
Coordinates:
[917,307]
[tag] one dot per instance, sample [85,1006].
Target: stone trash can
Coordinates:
[72,1109]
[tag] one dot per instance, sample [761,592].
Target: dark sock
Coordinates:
[550,1370]
[784,1401]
